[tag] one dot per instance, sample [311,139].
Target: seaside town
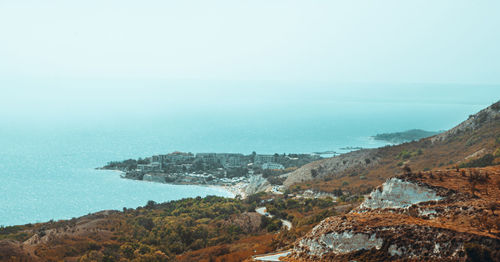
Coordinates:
[220,169]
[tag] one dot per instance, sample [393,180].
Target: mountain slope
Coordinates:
[446,213]
[361,171]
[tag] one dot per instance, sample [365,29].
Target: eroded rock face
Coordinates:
[256,184]
[396,193]
[340,243]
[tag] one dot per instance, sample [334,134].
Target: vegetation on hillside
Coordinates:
[210,228]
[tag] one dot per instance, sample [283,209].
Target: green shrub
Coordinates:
[404,155]
[497,152]
[486,160]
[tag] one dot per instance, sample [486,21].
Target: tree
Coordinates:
[147,223]
[407,169]
[150,204]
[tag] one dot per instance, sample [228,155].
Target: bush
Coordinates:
[314,172]
[404,155]
[147,223]
[486,160]
[476,252]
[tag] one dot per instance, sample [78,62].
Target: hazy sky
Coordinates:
[72,59]
[427,41]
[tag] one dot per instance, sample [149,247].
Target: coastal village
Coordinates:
[233,170]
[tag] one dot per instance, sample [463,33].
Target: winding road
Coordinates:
[263,211]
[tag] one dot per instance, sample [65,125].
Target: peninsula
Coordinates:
[406,136]
[239,173]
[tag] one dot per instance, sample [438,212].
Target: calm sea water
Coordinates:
[47,164]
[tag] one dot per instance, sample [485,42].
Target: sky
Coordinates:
[57,55]
[428,41]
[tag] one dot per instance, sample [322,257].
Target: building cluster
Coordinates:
[227,160]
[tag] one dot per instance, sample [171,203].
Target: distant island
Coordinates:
[405,136]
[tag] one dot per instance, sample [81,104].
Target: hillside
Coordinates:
[431,215]
[155,232]
[360,171]
[193,229]
[445,211]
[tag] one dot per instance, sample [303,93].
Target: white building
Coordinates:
[272,166]
[149,167]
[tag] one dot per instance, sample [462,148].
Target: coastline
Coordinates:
[234,190]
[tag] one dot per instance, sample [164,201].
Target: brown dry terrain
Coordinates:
[466,221]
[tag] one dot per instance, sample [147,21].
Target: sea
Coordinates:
[52,141]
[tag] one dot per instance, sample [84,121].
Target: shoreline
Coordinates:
[234,190]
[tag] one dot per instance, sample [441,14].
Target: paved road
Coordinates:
[272,256]
[263,211]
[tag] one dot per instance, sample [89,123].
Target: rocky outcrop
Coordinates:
[420,216]
[397,193]
[340,243]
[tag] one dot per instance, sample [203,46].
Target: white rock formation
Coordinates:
[341,243]
[397,193]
